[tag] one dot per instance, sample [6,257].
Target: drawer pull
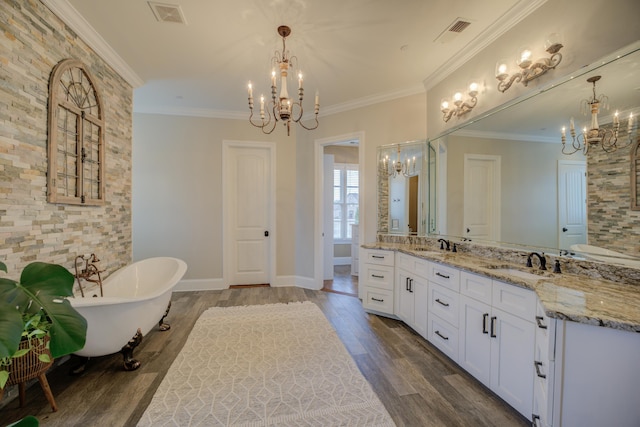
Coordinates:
[376,299]
[535,420]
[377,276]
[441,336]
[442,303]
[442,275]
[493,327]
[485,317]
[377,256]
[538,373]
[539,320]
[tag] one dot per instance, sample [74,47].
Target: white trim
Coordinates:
[271,146]
[193,285]
[371,100]
[70,16]
[503,24]
[285,281]
[507,136]
[191,112]
[307,283]
[319,214]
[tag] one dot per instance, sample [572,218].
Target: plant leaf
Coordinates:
[10,330]
[44,357]
[4,377]
[28,421]
[45,286]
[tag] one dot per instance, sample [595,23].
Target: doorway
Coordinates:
[481,210]
[332,218]
[248,182]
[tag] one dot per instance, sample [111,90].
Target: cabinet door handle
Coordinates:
[442,275]
[535,420]
[493,327]
[441,336]
[485,317]
[538,373]
[411,285]
[539,320]
[442,303]
[377,256]
[377,276]
[377,300]
[406,284]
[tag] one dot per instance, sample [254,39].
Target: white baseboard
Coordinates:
[345,260]
[218,284]
[200,285]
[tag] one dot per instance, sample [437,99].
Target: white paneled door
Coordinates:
[572,203]
[247,202]
[481,197]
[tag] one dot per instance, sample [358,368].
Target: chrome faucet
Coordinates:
[542,258]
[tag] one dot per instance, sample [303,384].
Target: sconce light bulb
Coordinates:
[473,89]
[444,106]
[525,58]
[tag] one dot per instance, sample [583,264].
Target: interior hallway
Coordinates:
[343,282]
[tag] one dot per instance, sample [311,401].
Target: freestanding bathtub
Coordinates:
[136,297]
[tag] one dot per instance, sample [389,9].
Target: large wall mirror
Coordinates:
[404,188]
[502,179]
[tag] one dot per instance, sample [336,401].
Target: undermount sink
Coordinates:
[515,272]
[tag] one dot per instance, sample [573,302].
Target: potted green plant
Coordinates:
[35,315]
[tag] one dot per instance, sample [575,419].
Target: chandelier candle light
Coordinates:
[529,69]
[606,138]
[406,168]
[281,108]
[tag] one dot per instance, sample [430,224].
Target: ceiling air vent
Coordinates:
[167,12]
[453,30]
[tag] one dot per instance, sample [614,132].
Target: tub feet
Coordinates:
[165,326]
[131,364]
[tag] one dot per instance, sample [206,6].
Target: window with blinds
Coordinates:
[76,142]
[345,200]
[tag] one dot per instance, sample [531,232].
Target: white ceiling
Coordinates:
[354,52]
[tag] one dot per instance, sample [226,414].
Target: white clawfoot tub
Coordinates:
[135,297]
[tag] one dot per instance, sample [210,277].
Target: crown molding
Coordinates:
[507,136]
[514,15]
[191,112]
[70,16]
[371,100]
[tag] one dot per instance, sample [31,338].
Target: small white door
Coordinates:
[247,200]
[481,197]
[327,232]
[572,203]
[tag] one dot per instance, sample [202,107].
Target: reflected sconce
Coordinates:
[457,106]
[282,107]
[398,167]
[595,135]
[528,68]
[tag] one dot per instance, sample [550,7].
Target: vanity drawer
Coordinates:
[545,333]
[414,265]
[379,300]
[445,303]
[476,287]
[379,257]
[514,300]
[378,276]
[443,335]
[445,276]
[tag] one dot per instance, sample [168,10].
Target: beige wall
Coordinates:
[32,42]
[177,190]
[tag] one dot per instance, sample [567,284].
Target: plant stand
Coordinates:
[28,367]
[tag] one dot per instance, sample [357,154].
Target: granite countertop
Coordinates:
[564,296]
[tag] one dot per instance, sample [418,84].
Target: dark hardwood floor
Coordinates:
[418,385]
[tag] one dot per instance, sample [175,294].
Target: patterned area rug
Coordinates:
[264,365]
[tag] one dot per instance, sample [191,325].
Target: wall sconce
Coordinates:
[459,106]
[530,69]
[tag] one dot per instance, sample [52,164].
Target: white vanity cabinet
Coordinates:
[444,298]
[377,280]
[497,334]
[411,292]
[544,365]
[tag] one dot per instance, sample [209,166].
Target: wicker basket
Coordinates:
[28,367]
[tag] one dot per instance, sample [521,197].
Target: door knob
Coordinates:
[266,234]
[565,229]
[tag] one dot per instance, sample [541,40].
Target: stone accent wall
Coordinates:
[611,222]
[32,41]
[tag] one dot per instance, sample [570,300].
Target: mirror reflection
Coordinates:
[504,179]
[403,188]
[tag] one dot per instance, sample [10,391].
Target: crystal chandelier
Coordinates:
[281,108]
[595,135]
[398,167]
